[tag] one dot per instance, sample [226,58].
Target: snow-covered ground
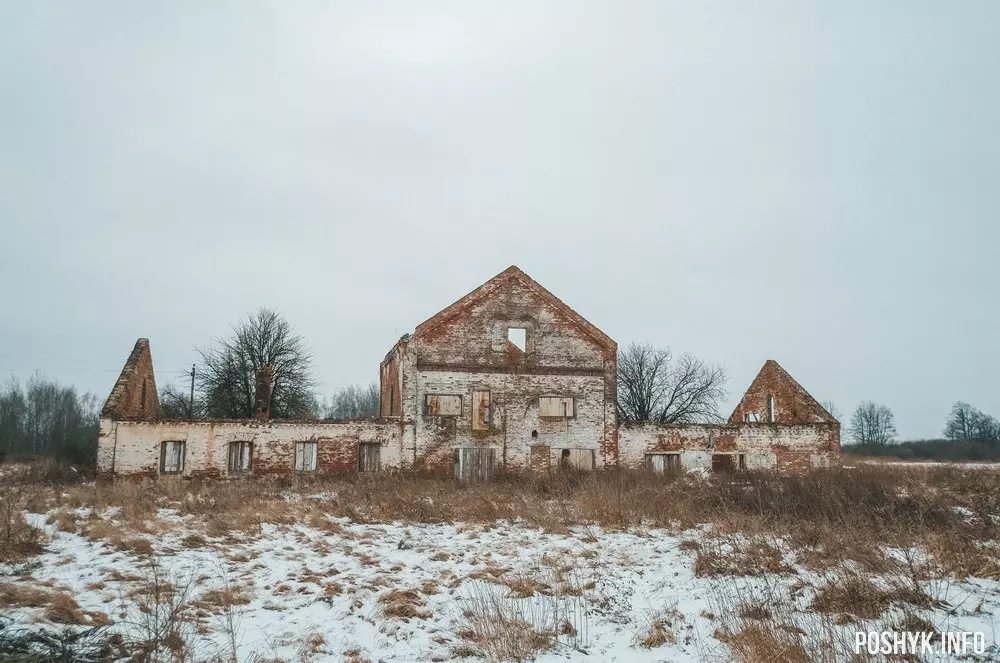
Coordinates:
[302,580]
[896,462]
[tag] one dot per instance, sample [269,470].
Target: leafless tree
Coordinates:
[873,424]
[832,408]
[44,418]
[354,403]
[967,424]
[653,385]
[227,375]
[176,403]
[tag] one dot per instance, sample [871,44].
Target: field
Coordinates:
[593,567]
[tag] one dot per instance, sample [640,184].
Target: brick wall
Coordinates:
[792,403]
[465,349]
[133,447]
[785,447]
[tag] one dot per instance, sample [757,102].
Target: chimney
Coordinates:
[263,393]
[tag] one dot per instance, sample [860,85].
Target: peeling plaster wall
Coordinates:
[133,447]
[786,447]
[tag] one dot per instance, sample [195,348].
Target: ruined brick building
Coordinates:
[508,377]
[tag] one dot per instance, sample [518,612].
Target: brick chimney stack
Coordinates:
[263,393]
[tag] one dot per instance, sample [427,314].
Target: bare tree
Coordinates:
[227,379]
[967,424]
[653,385]
[832,408]
[354,403]
[176,403]
[873,424]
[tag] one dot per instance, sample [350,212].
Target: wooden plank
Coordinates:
[480,410]
[369,457]
[555,406]
[474,463]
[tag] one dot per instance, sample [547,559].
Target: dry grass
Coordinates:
[500,626]
[758,642]
[745,555]
[403,604]
[851,594]
[220,600]
[762,621]
[894,502]
[17,539]
[660,628]
[58,607]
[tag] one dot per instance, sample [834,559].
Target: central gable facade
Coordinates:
[474,332]
[508,373]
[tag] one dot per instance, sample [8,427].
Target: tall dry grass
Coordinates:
[827,516]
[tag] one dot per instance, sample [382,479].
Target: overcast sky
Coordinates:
[817,183]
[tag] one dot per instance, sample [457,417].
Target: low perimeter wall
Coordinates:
[784,447]
[133,447]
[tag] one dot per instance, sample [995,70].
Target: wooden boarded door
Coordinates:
[369,459]
[474,463]
[663,463]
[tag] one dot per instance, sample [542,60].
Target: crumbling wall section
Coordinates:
[134,395]
[775,392]
[390,381]
[784,447]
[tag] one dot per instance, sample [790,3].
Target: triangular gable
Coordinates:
[134,394]
[791,402]
[495,284]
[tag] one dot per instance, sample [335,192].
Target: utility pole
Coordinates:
[191,401]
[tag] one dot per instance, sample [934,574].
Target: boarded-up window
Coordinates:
[577,459]
[770,409]
[474,463]
[240,455]
[368,457]
[443,405]
[480,410]
[663,463]
[555,406]
[305,457]
[172,458]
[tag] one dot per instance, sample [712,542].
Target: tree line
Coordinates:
[969,433]
[44,418]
